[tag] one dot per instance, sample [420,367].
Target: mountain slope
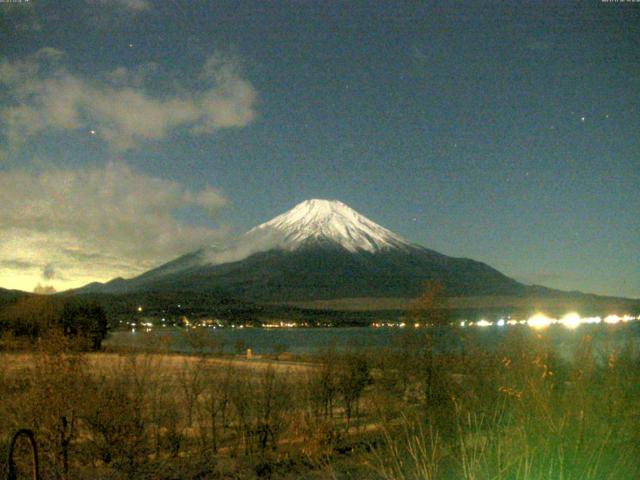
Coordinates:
[10,296]
[318,250]
[322,273]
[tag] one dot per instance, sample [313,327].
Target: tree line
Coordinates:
[36,317]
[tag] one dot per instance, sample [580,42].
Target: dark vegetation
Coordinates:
[196,305]
[30,318]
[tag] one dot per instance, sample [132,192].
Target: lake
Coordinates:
[311,340]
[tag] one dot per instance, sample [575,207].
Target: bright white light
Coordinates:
[571,320]
[500,322]
[483,323]
[611,319]
[539,320]
[512,322]
[462,323]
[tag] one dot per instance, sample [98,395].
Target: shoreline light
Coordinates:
[539,321]
[571,320]
[612,319]
[591,320]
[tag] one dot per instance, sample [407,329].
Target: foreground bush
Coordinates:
[517,412]
[521,413]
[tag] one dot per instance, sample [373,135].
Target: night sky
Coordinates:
[133,131]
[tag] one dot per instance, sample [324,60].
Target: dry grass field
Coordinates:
[519,412]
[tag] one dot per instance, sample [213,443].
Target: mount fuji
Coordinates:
[320,249]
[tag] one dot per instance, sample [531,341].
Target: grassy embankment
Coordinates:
[518,412]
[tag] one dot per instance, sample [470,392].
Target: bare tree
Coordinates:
[430,307]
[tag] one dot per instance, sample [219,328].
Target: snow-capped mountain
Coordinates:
[312,223]
[327,221]
[319,249]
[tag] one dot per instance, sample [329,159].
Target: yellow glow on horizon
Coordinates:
[28,280]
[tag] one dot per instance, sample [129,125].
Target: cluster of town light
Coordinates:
[284,325]
[537,321]
[540,321]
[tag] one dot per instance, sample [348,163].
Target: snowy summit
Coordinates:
[328,221]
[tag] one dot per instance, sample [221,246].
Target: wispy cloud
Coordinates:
[41,94]
[48,272]
[17,264]
[62,225]
[135,5]
[131,5]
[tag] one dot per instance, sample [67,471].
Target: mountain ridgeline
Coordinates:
[320,249]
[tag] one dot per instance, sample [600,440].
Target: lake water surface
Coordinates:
[311,340]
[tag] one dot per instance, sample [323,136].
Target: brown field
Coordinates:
[170,363]
[517,413]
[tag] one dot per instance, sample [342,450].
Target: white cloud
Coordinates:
[41,94]
[94,224]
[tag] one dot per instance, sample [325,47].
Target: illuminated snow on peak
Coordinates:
[328,221]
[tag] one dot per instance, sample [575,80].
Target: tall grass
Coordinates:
[409,412]
[521,413]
